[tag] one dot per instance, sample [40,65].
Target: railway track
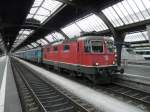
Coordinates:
[39,96]
[129,95]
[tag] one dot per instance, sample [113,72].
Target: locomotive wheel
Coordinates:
[104,78]
[95,79]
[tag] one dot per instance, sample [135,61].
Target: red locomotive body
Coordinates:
[90,56]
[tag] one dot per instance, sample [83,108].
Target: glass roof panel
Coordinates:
[42,42]
[58,36]
[42,9]
[37,3]
[40,18]
[30,46]
[72,30]
[91,23]
[34,44]
[128,11]
[138,36]
[33,10]
[43,12]
[23,34]
[50,38]
[29,16]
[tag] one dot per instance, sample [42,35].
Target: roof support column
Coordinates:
[118,37]
[119,42]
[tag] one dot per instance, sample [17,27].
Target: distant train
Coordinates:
[143,52]
[91,56]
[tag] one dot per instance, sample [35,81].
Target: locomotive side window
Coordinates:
[55,49]
[48,49]
[97,46]
[66,48]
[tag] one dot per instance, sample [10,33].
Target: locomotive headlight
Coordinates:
[96,64]
[114,62]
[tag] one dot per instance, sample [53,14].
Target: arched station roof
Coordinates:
[31,23]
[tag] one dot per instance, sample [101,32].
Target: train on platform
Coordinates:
[93,57]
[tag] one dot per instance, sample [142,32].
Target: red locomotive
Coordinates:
[90,56]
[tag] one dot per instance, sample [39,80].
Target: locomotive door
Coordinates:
[79,52]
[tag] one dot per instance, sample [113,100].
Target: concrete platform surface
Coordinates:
[100,100]
[138,70]
[9,100]
[2,67]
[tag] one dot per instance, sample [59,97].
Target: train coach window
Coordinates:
[66,48]
[48,49]
[97,46]
[55,49]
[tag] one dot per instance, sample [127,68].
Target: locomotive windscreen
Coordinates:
[97,46]
[94,46]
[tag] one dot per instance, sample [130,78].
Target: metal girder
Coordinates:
[139,42]
[139,46]
[61,32]
[138,26]
[118,33]
[12,12]
[53,25]
[78,6]
[24,26]
[90,4]
[107,22]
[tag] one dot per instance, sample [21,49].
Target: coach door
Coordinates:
[80,52]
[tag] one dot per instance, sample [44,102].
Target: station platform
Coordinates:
[9,99]
[137,70]
[102,101]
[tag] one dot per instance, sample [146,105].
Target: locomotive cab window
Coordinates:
[66,48]
[96,46]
